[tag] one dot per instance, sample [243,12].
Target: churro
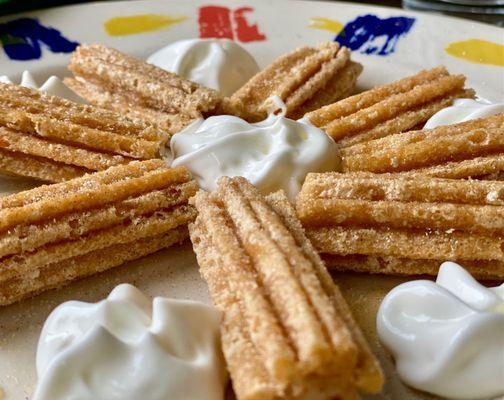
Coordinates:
[17,164]
[109,78]
[54,234]
[304,80]
[471,149]
[404,224]
[170,123]
[287,332]
[53,139]
[390,109]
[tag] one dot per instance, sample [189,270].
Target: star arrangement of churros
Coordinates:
[403,200]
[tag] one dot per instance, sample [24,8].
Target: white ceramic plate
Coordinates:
[388,48]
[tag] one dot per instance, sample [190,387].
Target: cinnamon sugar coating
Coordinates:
[287,332]
[404,224]
[53,234]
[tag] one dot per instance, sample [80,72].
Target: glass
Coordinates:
[490,11]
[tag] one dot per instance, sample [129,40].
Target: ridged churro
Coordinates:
[53,139]
[487,167]
[389,109]
[170,123]
[404,224]
[18,164]
[305,79]
[472,149]
[287,332]
[53,234]
[107,77]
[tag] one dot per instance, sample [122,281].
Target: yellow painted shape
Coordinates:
[477,51]
[131,25]
[326,24]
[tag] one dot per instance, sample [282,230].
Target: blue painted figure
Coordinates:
[373,35]
[22,38]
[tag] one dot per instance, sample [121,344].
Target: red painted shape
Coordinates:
[246,32]
[215,22]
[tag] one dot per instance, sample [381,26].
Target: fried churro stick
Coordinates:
[53,139]
[483,270]
[389,109]
[287,332]
[60,273]
[469,149]
[126,80]
[406,224]
[486,167]
[304,79]
[56,233]
[169,123]
[339,87]
[17,164]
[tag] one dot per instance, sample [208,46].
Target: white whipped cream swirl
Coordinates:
[52,86]
[447,337]
[464,110]
[273,154]
[219,64]
[129,348]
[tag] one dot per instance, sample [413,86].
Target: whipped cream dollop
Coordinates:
[129,348]
[273,154]
[447,337]
[219,64]
[53,86]
[464,110]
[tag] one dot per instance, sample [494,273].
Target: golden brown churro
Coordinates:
[54,234]
[404,224]
[287,332]
[112,79]
[389,109]
[37,167]
[468,149]
[304,79]
[53,139]
[169,123]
